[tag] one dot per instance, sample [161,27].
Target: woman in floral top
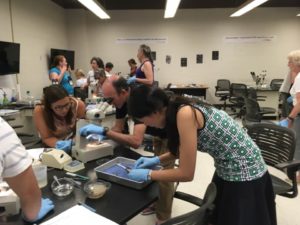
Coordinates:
[244,189]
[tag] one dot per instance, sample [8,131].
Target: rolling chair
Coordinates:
[252,93]
[223,90]
[238,92]
[276,84]
[264,110]
[277,145]
[254,114]
[168,86]
[200,215]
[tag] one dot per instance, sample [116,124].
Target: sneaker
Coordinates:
[148,211]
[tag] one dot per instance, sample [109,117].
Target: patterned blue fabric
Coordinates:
[236,156]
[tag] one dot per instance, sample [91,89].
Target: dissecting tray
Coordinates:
[111,172]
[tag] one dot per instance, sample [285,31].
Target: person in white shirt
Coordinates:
[96,64]
[294,116]
[285,88]
[16,170]
[81,80]
[108,68]
[100,76]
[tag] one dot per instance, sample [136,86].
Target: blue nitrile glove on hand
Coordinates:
[131,80]
[46,207]
[139,174]
[91,129]
[289,99]
[284,123]
[145,162]
[65,145]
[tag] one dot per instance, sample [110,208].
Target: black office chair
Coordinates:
[277,145]
[252,93]
[276,84]
[80,93]
[168,86]
[200,215]
[238,92]
[254,114]
[223,90]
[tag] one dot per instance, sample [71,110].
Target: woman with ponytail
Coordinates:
[244,188]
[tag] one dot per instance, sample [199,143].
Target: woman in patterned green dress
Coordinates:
[244,188]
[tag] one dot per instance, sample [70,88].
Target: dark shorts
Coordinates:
[244,203]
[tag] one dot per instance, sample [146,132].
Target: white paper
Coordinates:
[78,215]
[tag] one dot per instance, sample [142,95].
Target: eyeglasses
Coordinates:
[61,107]
[109,100]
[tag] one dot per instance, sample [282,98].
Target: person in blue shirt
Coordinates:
[59,74]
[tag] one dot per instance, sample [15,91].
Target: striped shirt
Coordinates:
[14,158]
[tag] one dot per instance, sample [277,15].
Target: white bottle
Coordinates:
[13,95]
[29,98]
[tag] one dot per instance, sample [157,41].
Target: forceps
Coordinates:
[127,169]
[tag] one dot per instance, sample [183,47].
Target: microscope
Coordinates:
[86,150]
[92,97]
[9,201]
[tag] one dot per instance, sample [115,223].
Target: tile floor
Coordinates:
[288,210]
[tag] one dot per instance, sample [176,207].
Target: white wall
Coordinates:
[192,32]
[38,26]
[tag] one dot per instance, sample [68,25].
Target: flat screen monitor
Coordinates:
[68,54]
[9,58]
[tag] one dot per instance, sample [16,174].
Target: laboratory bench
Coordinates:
[119,204]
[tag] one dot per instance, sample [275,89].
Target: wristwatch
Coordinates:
[106,129]
[149,175]
[291,118]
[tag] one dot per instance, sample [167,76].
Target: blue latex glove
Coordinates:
[46,207]
[131,80]
[65,145]
[284,123]
[91,129]
[139,174]
[145,162]
[289,99]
